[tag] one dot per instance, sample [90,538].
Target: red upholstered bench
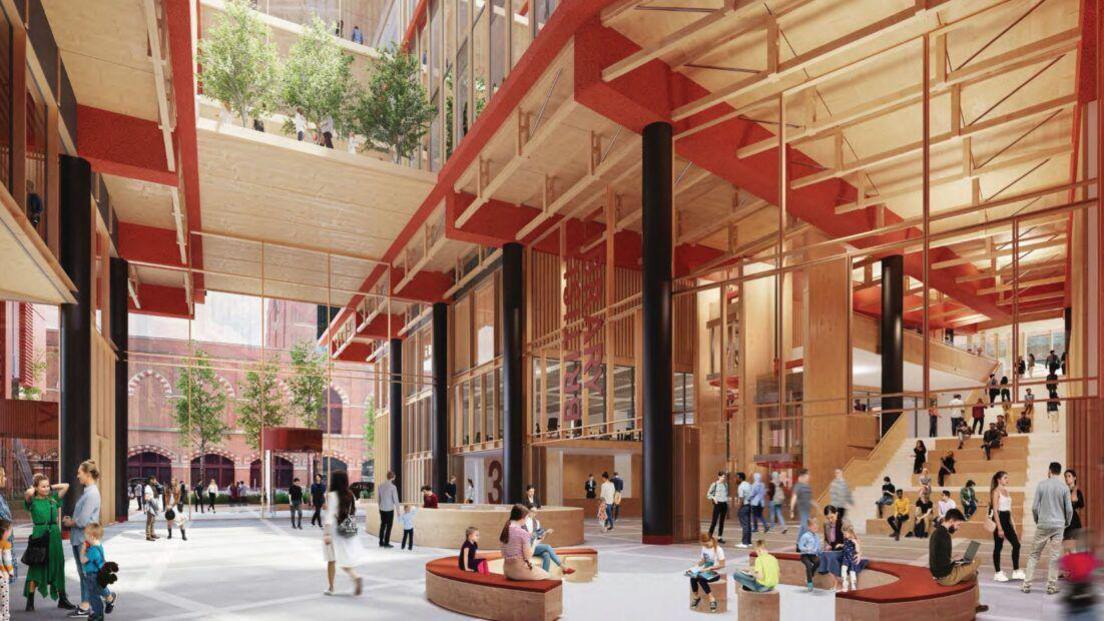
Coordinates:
[893,591]
[493,596]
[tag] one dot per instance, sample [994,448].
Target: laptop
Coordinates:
[971,552]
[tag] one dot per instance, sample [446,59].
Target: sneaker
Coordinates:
[694,604]
[1018,575]
[77,612]
[1052,589]
[720,540]
[981,608]
[109,606]
[713,606]
[809,586]
[1000,577]
[1026,588]
[742,545]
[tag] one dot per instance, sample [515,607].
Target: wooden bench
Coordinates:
[493,596]
[892,591]
[756,606]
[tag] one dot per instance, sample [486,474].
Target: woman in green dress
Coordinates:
[43,502]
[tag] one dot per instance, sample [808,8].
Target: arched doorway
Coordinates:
[216,467]
[283,469]
[142,465]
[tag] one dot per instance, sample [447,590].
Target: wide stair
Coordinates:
[970,464]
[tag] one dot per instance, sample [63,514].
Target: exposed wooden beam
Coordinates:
[162,84]
[1024,284]
[938,265]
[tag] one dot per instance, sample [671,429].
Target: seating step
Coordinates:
[974,529]
[974,442]
[981,478]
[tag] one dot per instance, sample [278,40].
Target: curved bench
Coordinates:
[493,596]
[893,591]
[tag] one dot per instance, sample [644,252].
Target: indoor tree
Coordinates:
[394,112]
[317,78]
[307,383]
[201,407]
[261,404]
[240,67]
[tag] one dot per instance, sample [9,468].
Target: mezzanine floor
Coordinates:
[236,566]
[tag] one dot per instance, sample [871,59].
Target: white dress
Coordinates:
[345,551]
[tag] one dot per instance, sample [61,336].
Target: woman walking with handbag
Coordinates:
[45,555]
[339,532]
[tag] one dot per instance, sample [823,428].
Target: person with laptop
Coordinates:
[946,570]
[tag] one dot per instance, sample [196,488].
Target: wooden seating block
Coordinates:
[719,590]
[755,606]
[585,566]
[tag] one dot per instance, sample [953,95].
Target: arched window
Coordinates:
[142,465]
[282,476]
[216,467]
[333,464]
[331,423]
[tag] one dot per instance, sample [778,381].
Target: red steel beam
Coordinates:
[161,301]
[148,244]
[121,145]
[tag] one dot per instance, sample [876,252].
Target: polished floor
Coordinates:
[238,566]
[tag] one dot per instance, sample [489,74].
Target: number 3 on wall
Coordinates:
[494,477]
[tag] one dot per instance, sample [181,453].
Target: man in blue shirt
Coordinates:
[756,498]
[318,498]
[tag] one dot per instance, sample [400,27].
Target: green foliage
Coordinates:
[201,408]
[261,404]
[317,78]
[240,65]
[307,383]
[369,424]
[394,112]
[37,369]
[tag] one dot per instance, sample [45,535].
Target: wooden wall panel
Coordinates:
[545,297]
[1085,454]
[103,431]
[576,468]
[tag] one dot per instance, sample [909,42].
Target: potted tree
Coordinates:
[317,79]
[393,113]
[240,67]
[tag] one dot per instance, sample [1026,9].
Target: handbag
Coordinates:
[347,527]
[990,525]
[37,550]
[170,515]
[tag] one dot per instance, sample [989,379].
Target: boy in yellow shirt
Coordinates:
[763,575]
[902,508]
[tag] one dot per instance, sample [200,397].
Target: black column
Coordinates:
[891,337]
[513,416]
[75,246]
[120,335]
[396,406]
[656,379]
[439,428]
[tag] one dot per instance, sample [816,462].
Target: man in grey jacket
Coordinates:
[388,500]
[1053,511]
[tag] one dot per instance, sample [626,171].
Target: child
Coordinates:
[7,569]
[851,561]
[602,518]
[182,522]
[468,551]
[407,518]
[92,560]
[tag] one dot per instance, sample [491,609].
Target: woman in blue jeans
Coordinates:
[541,549]
[85,512]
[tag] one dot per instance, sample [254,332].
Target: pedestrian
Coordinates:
[1031,365]
[90,557]
[1081,566]
[530,500]
[1029,403]
[1077,501]
[1021,366]
[327,129]
[1053,513]
[85,512]
[300,123]
[919,456]
[757,497]
[958,411]
[450,490]
[619,490]
[8,540]
[407,519]
[968,496]
[852,561]
[590,487]
[887,499]
[707,571]
[802,501]
[777,501]
[963,433]
[318,499]
[978,414]
[991,440]
[901,510]
[47,574]
[169,502]
[946,570]
[197,497]
[339,541]
[994,389]
[1000,515]
[743,509]
[469,550]
[469,492]
[136,493]
[946,466]
[295,503]
[212,494]
[152,501]
[840,495]
[925,481]
[933,417]
[429,499]
[946,503]
[1052,411]
[718,495]
[1052,363]
[608,493]
[181,496]
[922,522]
[1023,423]
[808,546]
[357,37]
[388,502]
[1005,395]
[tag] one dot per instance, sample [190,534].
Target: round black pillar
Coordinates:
[891,339]
[120,335]
[657,382]
[395,406]
[439,436]
[75,249]
[513,416]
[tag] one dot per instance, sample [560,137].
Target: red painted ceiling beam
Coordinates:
[355,352]
[426,286]
[148,244]
[121,145]
[161,301]
[377,328]
[649,93]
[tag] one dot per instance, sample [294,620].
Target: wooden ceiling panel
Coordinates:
[141,202]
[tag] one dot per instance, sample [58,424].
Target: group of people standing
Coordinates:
[166,501]
[758,503]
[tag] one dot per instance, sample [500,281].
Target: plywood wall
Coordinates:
[102,433]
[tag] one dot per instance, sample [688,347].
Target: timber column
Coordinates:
[891,339]
[439,428]
[395,406]
[513,381]
[657,380]
[75,246]
[120,335]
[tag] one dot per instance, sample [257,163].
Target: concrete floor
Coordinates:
[238,566]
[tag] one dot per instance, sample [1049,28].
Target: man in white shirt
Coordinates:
[958,412]
[300,122]
[946,504]
[607,493]
[743,495]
